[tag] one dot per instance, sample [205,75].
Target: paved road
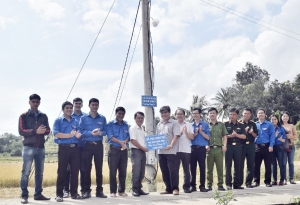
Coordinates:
[260,195]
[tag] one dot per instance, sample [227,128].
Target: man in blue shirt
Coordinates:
[77,114]
[118,137]
[264,147]
[199,146]
[93,127]
[66,132]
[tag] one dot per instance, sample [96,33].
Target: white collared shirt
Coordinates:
[137,133]
[184,141]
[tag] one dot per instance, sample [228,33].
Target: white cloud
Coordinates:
[47,9]
[4,21]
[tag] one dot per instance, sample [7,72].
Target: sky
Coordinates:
[197,49]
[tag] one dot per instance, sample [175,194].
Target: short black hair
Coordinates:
[181,110]
[139,113]
[199,109]
[165,108]
[34,96]
[278,122]
[287,113]
[248,109]
[234,110]
[259,109]
[65,104]
[212,109]
[93,100]
[77,100]
[120,109]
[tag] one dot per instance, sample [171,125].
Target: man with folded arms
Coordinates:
[138,154]
[66,132]
[118,137]
[93,128]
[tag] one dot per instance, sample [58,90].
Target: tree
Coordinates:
[197,102]
[223,103]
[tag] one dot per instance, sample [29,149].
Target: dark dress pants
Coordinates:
[138,160]
[185,159]
[169,165]
[248,152]
[117,161]
[233,153]
[262,153]
[198,156]
[67,155]
[90,151]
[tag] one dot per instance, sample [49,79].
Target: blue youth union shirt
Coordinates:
[88,124]
[77,118]
[199,140]
[281,133]
[119,131]
[266,133]
[64,126]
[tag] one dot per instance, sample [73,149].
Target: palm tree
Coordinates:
[197,102]
[222,103]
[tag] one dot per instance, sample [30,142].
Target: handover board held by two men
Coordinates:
[155,142]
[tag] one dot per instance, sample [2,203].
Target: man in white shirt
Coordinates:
[184,149]
[138,154]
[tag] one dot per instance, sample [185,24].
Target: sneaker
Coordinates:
[59,199]
[66,194]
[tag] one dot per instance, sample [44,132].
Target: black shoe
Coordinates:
[192,189]
[249,186]
[141,192]
[221,188]
[202,189]
[255,184]
[238,187]
[76,196]
[228,187]
[24,200]
[86,195]
[292,182]
[135,194]
[268,185]
[41,197]
[209,188]
[187,191]
[100,195]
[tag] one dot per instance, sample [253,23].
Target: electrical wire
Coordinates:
[126,59]
[251,21]
[255,18]
[129,65]
[89,52]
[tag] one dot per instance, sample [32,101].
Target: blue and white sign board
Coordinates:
[149,101]
[154,142]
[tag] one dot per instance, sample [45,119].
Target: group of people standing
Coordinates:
[80,140]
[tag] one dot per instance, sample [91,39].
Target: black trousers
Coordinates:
[198,155]
[81,170]
[169,166]
[248,152]
[185,159]
[138,160]
[67,155]
[90,151]
[262,153]
[117,161]
[233,153]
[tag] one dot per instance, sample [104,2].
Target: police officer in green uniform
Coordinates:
[248,148]
[217,145]
[236,132]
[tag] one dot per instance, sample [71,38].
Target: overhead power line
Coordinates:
[89,52]
[251,21]
[126,60]
[129,65]
[255,18]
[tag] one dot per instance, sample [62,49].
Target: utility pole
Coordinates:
[149,113]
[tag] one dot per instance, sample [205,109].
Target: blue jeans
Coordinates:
[278,154]
[29,155]
[289,157]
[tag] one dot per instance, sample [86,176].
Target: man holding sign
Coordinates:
[93,128]
[138,154]
[168,158]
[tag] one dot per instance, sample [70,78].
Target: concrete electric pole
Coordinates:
[149,112]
